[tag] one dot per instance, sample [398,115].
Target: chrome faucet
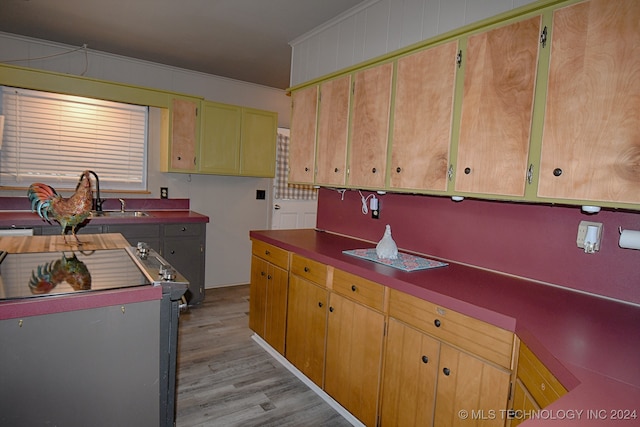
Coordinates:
[123,205]
[98,201]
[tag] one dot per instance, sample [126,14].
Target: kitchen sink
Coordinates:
[121,214]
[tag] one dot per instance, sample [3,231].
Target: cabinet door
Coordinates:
[354,350]
[523,404]
[497,105]
[258,295]
[258,143]
[423,110]
[468,383]
[184,134]
[590,144]
[276,308]
[220,138]
[333,120]
[302,149]
[370,127]
[186,254]
[306,327]
[409,379]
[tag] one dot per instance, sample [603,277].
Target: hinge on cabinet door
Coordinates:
[543,37]
[510,390]
[459,58]
[353,87]
[450,172]
[530,174]
[384,332]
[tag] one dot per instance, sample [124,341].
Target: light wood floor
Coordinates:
[226,379]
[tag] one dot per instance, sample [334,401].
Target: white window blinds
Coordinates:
[52,138]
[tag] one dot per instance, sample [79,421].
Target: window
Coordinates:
[52,138]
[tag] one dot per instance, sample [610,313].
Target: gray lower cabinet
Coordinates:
[134,233]
[183,246]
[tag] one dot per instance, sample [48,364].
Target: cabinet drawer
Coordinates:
[313,271]
[538,380]
[137,230]
[183,229]
[359,289]
[273,254]
[478,337]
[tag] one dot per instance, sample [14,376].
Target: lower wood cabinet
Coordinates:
[307,327]
[427,382]
[410,377]
[268,302]
[355,336]
[389,358]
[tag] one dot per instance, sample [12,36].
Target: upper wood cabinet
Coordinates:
[237,140]
[184,131]
[422,115]
[369,127]
[497,108]
[302,148]
[591,137]
[333,126]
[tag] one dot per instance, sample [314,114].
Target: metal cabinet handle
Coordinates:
[446,371]
[425,359]
[306,269]
[353,288]
[437,323]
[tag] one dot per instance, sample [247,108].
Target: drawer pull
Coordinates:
[446,371]
[184,229]
[542,387]
[437,323]
[320,304]
[353,288]
[306,269]
[267,252]
[269,277]
[331,309]
[262,273]
[425,359]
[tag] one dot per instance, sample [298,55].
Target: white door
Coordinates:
[287,212]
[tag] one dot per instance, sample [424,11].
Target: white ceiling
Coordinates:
[240,39]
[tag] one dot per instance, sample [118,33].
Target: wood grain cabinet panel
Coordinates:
[423,110]
[333,127]
[497,109]
[370,127]
[184,133]
[591,138]
[306,327]
[302,148]
[268,293]
[468,383]
[409,378]
[353,359]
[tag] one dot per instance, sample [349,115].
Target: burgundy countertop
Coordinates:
[591,344]
[26,307]
[16,211]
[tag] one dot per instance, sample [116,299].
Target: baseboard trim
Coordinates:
[317,390]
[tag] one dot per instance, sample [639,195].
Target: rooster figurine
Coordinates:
[69,212]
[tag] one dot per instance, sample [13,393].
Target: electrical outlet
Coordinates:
[582,235]
[164,192]
[374,205]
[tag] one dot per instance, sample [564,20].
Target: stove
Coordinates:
[40,274]
[44,278]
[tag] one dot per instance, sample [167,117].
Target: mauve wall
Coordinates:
[532,241]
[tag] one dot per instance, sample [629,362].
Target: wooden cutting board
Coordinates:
[90,242]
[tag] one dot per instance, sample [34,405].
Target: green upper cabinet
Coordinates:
[493,143]
[220,138]
[237,141]
[591,136]
[258,143]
